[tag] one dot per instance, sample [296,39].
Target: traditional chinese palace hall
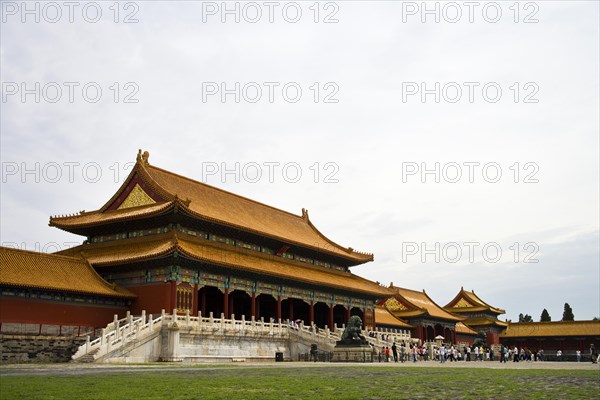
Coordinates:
[176,243]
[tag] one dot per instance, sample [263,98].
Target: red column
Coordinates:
[312,313]
[331,316]
[203,302]
[195,304]
[226,303]
[347,315]
[253,306]
[373,318]
[257,308]
[173,296]
[291,309]
[278,308]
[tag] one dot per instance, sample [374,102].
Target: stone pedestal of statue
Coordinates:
[350,350]
[353,353]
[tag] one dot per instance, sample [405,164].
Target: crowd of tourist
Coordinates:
[403,352]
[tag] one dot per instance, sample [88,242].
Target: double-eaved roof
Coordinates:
[150,191]
[469,302]
[407,304]
[33,270]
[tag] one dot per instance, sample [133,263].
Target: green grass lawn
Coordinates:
[308,383]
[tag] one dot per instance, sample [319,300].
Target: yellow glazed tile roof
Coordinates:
[552,329]
[28,269]
[94,217]
[466,301]
[464,329]
[384,317]
[214,204]
[419,303]
[484,321]
[119,252]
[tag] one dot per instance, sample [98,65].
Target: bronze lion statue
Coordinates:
[352,333]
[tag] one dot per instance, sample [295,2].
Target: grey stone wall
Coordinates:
[25,348]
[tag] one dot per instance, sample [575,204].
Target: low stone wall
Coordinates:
[26,348]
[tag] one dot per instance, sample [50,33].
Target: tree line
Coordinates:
[545,317]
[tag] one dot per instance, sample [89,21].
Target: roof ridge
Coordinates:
[556,322]
[442,308]
[112,286]
[148,166]
[43,254]
[348,249]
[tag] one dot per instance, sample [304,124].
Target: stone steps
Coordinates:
[88,358]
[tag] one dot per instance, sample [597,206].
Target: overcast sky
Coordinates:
[497,103]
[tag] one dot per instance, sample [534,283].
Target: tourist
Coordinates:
[541,354]
[522,354]
[395,352]
[559,355]
[487,354]
[594,354]
[515,354]
[387,354]
[403,352]
[443,354]
[414,352]
[578,354]
[468,353]
[480,353]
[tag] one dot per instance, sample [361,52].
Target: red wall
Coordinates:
[56,313]
[153,298]
[492,338]
[550,345]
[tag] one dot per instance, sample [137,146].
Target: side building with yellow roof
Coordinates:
[41,292]
[478,315]
[566,336]
[427,318]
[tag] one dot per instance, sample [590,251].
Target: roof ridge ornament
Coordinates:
[305,214]
[143,157]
